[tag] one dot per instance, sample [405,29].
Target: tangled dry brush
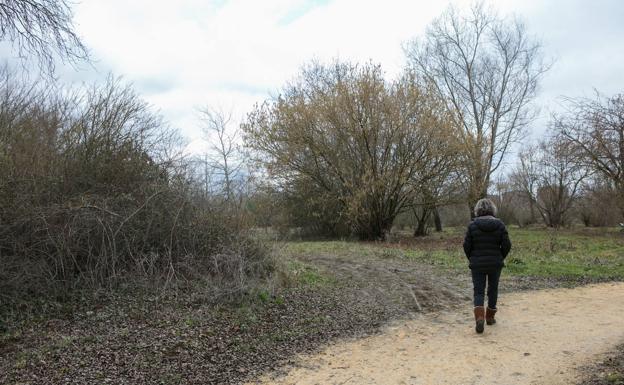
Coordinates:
[93,194]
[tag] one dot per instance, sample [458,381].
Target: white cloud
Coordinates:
[231,54]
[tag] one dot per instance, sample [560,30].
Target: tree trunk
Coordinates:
[421,222]
[471,206]
[374,228]
[533,219]
[437,220]
[620,200]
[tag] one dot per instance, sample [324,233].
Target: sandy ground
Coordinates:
[542,337]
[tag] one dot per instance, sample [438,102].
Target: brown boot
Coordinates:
[489,316]
[479,312]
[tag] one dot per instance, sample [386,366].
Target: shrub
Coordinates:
[94,192]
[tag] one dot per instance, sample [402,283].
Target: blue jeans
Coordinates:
[478,283]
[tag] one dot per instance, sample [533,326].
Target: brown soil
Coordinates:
[542,337]
[609,370]
[183,339]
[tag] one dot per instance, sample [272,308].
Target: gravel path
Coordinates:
[542,337]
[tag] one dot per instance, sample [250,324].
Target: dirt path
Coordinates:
[542,337]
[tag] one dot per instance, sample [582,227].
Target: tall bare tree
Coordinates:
[223,162]
[595,130]
[43,29]
[488,69]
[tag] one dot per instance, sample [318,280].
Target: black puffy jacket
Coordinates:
[486,243]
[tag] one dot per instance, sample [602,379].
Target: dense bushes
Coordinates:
[350,149]
[93,192]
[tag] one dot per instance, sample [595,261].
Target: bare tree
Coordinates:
[223,163]
[550,175]
[43,29]
[595,131]
[488,69]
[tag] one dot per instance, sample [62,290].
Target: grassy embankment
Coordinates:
[593,254]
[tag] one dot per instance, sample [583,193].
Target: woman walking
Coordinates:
[486,245]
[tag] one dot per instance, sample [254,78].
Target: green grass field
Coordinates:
[581,253]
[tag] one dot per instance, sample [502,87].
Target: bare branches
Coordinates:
[89,197]
[488,69]
[363,144]
[224,159]
[43,29]
[550,176]
[594,130]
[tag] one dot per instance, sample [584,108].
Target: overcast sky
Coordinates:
[182,55]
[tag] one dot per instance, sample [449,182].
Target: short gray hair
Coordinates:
[485,207]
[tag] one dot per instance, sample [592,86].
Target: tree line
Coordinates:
[347,151]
